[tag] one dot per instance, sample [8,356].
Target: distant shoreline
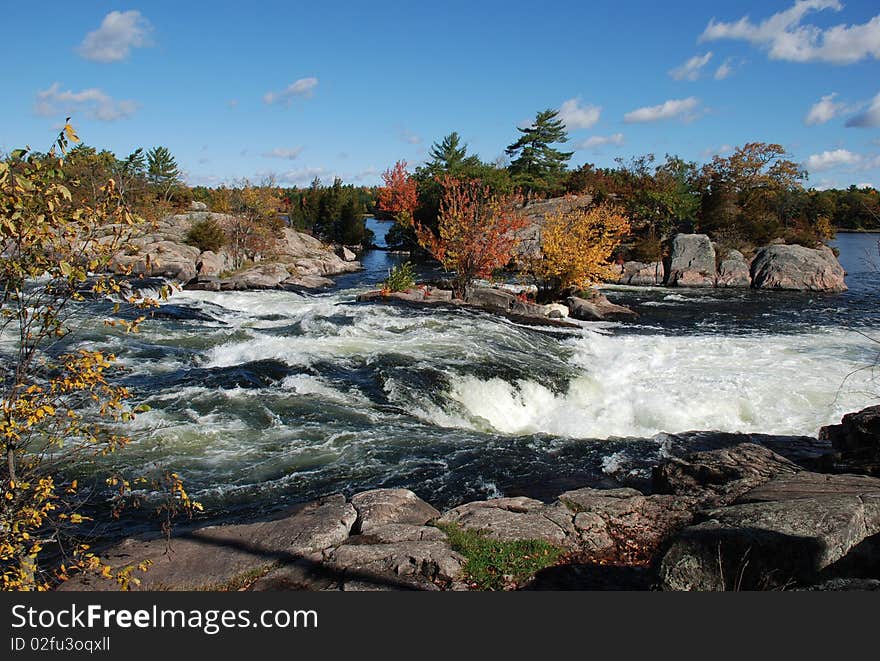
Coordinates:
[876,231]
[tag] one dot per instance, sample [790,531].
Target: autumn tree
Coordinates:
[577,243]
[254,228]
[58,405]
[536,165]
[478,231]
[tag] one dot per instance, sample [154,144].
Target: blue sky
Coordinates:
[301,89]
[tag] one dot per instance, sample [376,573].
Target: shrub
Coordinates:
[206,235]
[400,278]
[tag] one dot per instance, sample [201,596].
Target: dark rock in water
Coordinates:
[856,441]
[798,268]
[692,263]
[641,274]
[847,585]
[717,477]
[381,507]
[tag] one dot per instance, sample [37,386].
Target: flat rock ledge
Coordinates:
[741,517]
[501,301]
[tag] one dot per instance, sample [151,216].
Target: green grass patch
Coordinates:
[495,565]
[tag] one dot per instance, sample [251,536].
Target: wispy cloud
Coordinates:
[281,152]
[304,88]
[120,31]
[832,159]
[576,116]
[716,151]
[824,110]
[868,118]
[691,69]
[595,142]
[724,70]
[407,136]
[673,108]
[93,102]
[785,37]
[303,176]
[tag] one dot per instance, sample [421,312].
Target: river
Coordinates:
[261,400]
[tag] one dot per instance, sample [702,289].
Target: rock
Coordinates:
[640,274]
[212,264]
[431,560]
[438,295]
[798,268]
[214,556]
[203,283]
[856,441]
[624,524]
[392,533]
[692,263]
[345,254]
[512,519]
[297,282]
[734,271]
[380,507]
[490,298]
[720,476]
[598,308]
[793,528]
[266,276]
[198,206]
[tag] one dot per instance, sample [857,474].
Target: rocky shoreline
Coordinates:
[738,518]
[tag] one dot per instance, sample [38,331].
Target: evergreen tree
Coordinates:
[162,171]
[536,165]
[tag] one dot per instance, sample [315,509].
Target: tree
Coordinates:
[162,172]
[55,403]
[254,228]
[449,156]
[576,246]
[478,231]
[206,235]
[398,197]
[536,165]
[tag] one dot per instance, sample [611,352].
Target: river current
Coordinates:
[261,400]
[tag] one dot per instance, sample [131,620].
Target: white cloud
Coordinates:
[303,88]
[280,152]
[786,38]
[724,70]
[824,110]
[93,102]
[303,176]
[120,31]
[832,159]
[598,141]
[683,108]
[869,118]
[691,69]
[575,116]
[717,151]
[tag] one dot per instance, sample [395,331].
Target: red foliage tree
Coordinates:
[399,196]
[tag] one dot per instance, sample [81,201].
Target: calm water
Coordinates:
[264,399]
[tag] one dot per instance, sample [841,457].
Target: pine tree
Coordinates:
[162,171]
[537,166]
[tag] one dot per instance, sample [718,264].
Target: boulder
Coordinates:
[556,311]
[215,556]
[692,263]
[641,274]
[345,254]
[734,271]
[791,529]
[856,441]
[718,477]
[797,268]
[430,560]
[380,507]
[197,206]
[212,264]
[513,519]
[265,276]
[597,308]
[490,298]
